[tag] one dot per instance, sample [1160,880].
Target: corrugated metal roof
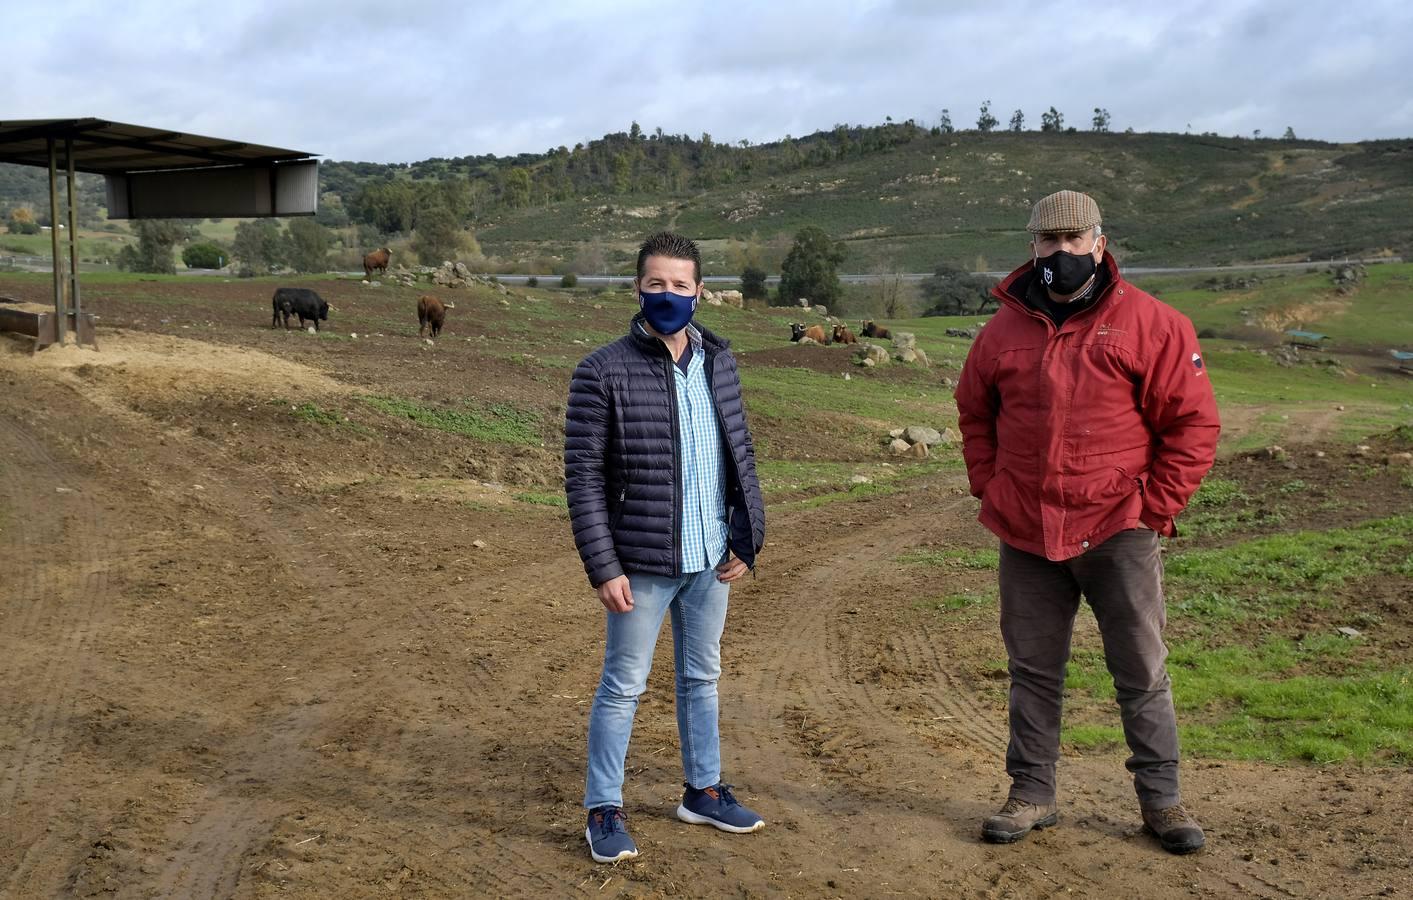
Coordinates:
[115,148]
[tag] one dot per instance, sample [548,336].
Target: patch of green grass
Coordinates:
[958,558]
[310,412]
[1217,492]
[1279,701]
[1304,561]
[543,499]
[955,602]
[855,492]
[500,423]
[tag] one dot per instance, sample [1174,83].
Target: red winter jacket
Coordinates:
[1076,433]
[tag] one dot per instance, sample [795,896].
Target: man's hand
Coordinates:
[615,594]
[730,570]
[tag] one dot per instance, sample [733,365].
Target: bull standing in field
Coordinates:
[1087,422]
[300,302]
[377,261]
[431,311]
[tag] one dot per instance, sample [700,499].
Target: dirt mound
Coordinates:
[143,362]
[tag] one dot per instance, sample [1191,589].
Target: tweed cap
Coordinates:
[1064,211]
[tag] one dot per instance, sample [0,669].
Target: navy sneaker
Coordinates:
[607,834]
[715,806]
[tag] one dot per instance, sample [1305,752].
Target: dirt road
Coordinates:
[241,661]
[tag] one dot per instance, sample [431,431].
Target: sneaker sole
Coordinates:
[625,854]
[691,818]
[993,836]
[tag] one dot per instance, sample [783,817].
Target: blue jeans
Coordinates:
[698,605]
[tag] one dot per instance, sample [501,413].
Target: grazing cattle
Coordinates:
[875,331]
[376,261]
[431,311]
[843,335]
[303,303]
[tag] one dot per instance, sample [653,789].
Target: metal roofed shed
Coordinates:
[150,173]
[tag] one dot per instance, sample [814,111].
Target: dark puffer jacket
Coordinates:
[622,475]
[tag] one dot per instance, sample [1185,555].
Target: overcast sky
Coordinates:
[403,81]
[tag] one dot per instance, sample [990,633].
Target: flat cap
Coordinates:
[1064,211]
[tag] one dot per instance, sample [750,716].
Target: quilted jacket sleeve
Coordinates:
[586,435]
[1181,411]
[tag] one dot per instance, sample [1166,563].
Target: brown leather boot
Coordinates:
[1016,819]
[1175,829]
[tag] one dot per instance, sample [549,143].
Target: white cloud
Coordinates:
[404,81]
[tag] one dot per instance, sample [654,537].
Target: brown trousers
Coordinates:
[1122,579]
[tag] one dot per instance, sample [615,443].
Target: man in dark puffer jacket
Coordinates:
[661,480]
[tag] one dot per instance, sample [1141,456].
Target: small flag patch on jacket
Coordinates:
[1197,361]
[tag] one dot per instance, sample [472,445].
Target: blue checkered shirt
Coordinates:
[703,486]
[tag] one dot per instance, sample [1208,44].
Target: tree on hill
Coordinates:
[1017,121]
[153,253]
[22,221]
[945,123]
[258,245]
[1289,134]
[949,291]
[810,270]
[1052,120]
[437,238]
[306,245]
[986,121]
[753,283]
[1101,120]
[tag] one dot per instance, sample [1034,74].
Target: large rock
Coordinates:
[921,434]
[899,446]
[962,332]
[731,298]
[870,354]
[904,340]
[711,298]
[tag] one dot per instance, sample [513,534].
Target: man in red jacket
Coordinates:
[1088,422]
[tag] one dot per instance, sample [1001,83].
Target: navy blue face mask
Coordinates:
[666,312]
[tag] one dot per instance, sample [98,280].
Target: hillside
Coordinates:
[901,197]
[1168,200]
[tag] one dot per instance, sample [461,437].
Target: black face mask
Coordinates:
[1064,273]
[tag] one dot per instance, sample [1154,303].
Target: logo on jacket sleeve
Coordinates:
[1197,362]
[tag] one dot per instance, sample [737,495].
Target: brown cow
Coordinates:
[376,261]
[816,334]
[875,331]
[431,311]
[843,335]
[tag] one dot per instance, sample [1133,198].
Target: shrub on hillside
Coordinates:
[949,291]
[204,255]
[532,281]
[569,280]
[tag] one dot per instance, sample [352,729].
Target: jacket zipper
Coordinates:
[676,465]
[729,451]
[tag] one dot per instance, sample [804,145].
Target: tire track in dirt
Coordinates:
[62,548]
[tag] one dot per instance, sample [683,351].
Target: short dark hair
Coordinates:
[672,246]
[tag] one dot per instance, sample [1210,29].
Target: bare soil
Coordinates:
[249,655]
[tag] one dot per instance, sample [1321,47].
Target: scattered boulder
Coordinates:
[732,298]
[867,354]
[1399,460]
[904,340]
[899,446]
[921,434]
[969,333]
[1274,452]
